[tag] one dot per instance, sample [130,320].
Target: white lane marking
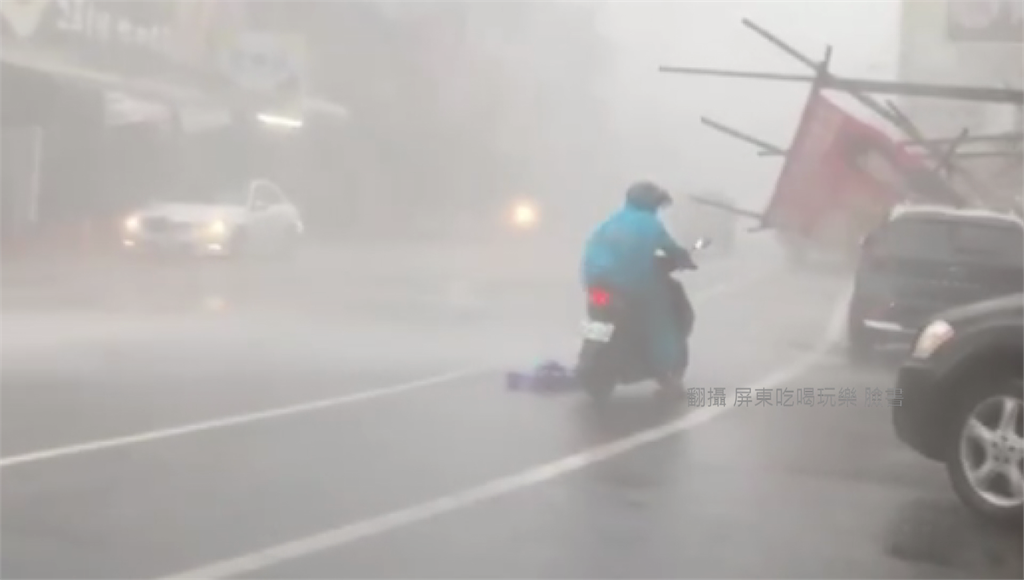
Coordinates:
[242,419]
[468,498]
[235,420]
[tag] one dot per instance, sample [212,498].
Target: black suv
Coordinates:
[925,260]
[962,404]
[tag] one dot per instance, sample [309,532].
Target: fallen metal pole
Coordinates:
[956,154]
[986,154]
[711,72]
[981,193]
[807,61]
[891,114]
[741,135]
[950,92]
[874,86]
[947,158]
[780,44]
[985,138]
[725,207]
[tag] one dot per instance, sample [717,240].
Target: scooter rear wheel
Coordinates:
[599,390]
[672,386]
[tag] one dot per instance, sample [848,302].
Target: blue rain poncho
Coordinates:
[620,255]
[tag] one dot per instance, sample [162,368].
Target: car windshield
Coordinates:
[235,195]
[944,241]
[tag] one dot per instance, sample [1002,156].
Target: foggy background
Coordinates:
[424,122]
[454,110]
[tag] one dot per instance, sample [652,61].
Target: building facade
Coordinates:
[90,91]
[976,42]
[105,103]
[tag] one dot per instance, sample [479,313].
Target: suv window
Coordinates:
[950,241]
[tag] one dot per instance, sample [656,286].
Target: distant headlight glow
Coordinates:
[217,228]
[524,215]
[132,224]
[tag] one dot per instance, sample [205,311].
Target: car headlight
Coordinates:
[931,338]
[217,228]
[132,224]
[524,215]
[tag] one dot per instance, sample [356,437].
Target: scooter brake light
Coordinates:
[599,297]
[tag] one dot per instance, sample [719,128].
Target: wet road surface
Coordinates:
[134,446]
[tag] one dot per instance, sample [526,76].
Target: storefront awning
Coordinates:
[163,90]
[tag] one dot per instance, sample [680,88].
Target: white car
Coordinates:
[257,218]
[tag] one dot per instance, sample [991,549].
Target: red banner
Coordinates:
[838,167]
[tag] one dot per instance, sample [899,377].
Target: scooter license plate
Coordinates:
[597,331]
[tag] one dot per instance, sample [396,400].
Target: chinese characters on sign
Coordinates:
[806,397]
[86,19]
[135,25]
[123,38]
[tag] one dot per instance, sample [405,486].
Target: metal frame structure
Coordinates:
[944,153]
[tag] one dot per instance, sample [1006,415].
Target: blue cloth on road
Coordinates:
[548,376]
[620,255]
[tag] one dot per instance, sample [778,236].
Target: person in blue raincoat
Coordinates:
[621,255]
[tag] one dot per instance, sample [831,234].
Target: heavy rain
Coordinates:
[307,289]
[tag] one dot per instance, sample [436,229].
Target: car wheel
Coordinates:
[985,458]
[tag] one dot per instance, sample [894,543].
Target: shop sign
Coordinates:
[985,21]
[121,37]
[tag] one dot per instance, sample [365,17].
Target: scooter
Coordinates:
[612,352]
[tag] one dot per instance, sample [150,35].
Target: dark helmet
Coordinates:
[648,195]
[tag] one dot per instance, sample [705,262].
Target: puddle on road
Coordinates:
[941,532]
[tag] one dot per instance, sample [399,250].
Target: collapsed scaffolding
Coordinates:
[841,176]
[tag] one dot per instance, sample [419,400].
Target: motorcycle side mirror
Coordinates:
[701,243]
